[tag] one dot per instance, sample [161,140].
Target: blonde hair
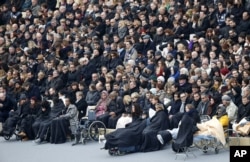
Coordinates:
[127,100]
[135,95]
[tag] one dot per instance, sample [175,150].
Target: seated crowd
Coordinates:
[149,67]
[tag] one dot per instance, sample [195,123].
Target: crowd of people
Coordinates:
[128,58]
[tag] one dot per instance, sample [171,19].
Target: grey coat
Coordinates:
[71,115]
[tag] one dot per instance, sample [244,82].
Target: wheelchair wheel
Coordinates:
[216,150]
[95,129]
[6,137]
[205,149]
[232,138]
[18,138]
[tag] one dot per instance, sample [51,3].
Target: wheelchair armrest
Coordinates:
[84,118]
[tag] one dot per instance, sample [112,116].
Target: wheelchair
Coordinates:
[11,127]
[90,128]
[7,134]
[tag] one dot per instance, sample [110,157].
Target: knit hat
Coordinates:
[224,71]
[161,78]
[153,77]
[226,98]
[146,37]
[22,97]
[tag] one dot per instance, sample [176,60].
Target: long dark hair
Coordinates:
[136,113]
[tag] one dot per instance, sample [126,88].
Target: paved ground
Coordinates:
[17,151]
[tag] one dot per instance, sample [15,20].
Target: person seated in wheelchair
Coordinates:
[127,140]
[22,117]
[222,116]
[98,110]
[60,125]
[28,118]
[81,104]
[101,106]
[159,121]
[167,135]
[49,111]
[115,108]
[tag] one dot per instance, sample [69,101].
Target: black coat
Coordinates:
[42,123]
[8,104]
[81,107]
[175,107]
[86,73]
[157,123]
[149,46]
[73,76]
[243,111]
[185,134]
[57,83]
[114,63]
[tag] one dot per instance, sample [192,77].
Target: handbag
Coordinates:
[91,112]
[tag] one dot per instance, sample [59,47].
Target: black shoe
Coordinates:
[77,139]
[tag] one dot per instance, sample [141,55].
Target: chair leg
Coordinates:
[185,153]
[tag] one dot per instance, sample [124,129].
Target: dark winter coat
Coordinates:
[157,123]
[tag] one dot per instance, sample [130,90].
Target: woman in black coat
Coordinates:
[158,122]
[29,117]
[187,128]
[127,139]
[43,116]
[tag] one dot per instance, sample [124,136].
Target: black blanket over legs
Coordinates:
[158,122]
[125,137]
[59,130]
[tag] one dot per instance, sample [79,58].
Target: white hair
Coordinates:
[184,71]
[131,63]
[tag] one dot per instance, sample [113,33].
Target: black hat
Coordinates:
[183,76]
[98,19]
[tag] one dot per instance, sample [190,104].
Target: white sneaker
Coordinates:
[38,141]
[160,139]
